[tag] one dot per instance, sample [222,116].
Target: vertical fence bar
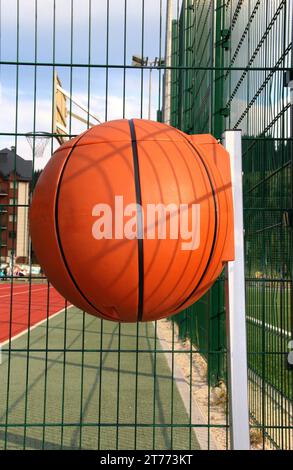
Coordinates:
[291,163]
[168,63]
[236,320]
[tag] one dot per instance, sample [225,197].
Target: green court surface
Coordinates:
[115,399]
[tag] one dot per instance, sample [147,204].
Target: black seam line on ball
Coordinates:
[215,229]
[139,221]
[58,231]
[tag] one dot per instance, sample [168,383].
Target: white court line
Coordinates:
[15,286]
[18,283]
[22,292]
[34,326]
[269,327]
[18,286]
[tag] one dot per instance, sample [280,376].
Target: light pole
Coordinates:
[138,61]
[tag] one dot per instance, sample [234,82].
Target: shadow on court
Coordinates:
[76,382]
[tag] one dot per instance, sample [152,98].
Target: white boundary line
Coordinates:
[276,397]
[34,326]
[18,286]
[197,417]
[22,292]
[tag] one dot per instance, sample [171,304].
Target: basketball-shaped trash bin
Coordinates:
[133,219]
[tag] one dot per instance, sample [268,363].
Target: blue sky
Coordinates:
[89,26]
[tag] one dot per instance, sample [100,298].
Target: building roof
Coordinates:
[9,162]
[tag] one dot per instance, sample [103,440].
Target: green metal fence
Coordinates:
[67,379]
[249,43]
[194,90]
[73,381]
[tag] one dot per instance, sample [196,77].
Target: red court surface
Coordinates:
[23,306]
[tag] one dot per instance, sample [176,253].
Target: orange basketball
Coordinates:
[132,220]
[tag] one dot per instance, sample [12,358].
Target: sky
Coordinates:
[77,34]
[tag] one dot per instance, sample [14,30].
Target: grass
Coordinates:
[268,308]
[65,393]
[268,348]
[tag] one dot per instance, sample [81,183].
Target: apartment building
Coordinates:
[15,177]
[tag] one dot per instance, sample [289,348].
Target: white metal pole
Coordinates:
[236,320]
[77,103]
[168,63]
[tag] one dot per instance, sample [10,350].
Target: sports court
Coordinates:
[25,305]
[105,388]
[208,69]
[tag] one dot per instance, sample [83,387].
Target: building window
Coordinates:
[12,235]
[12,201]
[13,184]
[12,218]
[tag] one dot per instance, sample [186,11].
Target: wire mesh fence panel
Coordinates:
[68,379]
[193,95]
[260,105]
